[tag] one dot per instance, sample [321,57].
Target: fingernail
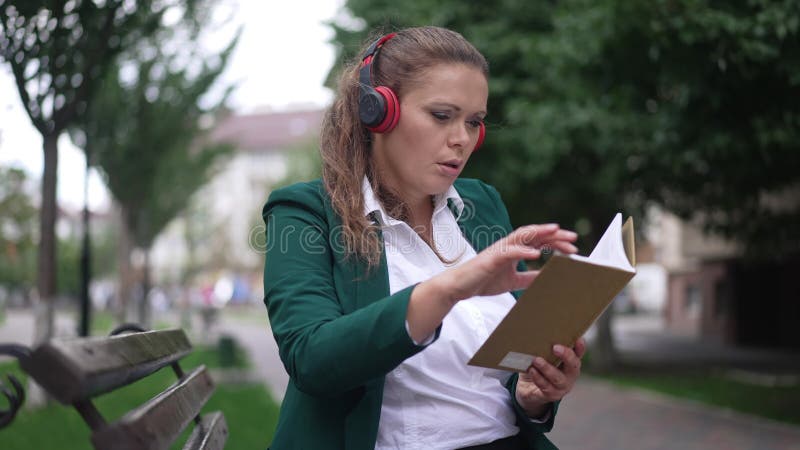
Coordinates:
[558,350]
[539,361]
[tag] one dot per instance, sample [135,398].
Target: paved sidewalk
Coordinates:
[263,351]
[644,341]
[599,415]
[18,326]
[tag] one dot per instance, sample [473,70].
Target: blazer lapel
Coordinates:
[470,224]
[373,284]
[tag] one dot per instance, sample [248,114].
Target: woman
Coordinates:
[383,278]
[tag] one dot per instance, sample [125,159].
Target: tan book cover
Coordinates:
[569,294]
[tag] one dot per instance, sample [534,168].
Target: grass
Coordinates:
[102,322]
[711,387]
[250,411]
[213,359]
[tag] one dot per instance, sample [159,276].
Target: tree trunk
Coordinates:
[86,259]
[144,302]
[603,352]
[44,303]
[46,281]
[126,276]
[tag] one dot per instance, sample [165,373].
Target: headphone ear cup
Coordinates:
[371,107]
[481,136]
[391,111]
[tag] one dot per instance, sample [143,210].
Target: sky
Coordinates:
[281,61]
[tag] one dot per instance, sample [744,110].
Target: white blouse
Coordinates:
[434,400]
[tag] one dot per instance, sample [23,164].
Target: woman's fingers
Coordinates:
[562,246]
[528,234]
[541,235]
[554,377]
[565,235]
[572,363]
[580,347]
[495,269]
[524,279]
[536,377]
[542,238]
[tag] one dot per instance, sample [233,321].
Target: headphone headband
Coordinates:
[365,73]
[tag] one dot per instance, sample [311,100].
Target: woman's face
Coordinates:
[438,128]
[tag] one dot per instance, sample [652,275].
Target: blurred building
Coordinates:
[220,233]
[712,293]
[695,264]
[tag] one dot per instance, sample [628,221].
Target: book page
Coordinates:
[610,250]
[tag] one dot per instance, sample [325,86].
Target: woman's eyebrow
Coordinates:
[454,106]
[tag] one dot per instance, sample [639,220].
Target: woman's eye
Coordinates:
[440,115]
[474,123]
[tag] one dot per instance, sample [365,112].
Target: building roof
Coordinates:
[268,131]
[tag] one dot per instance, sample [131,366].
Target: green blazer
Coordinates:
[338,330]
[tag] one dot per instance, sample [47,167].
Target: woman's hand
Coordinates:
[490,272]
[543,383]
[494,270]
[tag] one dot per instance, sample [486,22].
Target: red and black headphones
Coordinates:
[378,106]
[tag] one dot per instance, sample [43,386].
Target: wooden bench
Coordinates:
[76,370]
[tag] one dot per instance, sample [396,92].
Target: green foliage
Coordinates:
[68,267]
[59,52]
[102,322]
[17,225]
[68,260]
[719,84]
[18,241]
[147,134]
[600,106]
[229,353]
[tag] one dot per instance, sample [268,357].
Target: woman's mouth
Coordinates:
[450,168]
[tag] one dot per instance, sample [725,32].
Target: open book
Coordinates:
[569,294]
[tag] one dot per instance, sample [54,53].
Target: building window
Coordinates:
[694,301]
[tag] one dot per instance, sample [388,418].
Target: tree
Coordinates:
[714,87]
[147,137]
[57,54]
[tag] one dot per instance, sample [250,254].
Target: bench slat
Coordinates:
[211,434]
[157,423]
[78,369]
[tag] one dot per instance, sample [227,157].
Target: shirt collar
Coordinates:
[440,201]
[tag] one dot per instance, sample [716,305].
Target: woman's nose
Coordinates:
[459,135]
